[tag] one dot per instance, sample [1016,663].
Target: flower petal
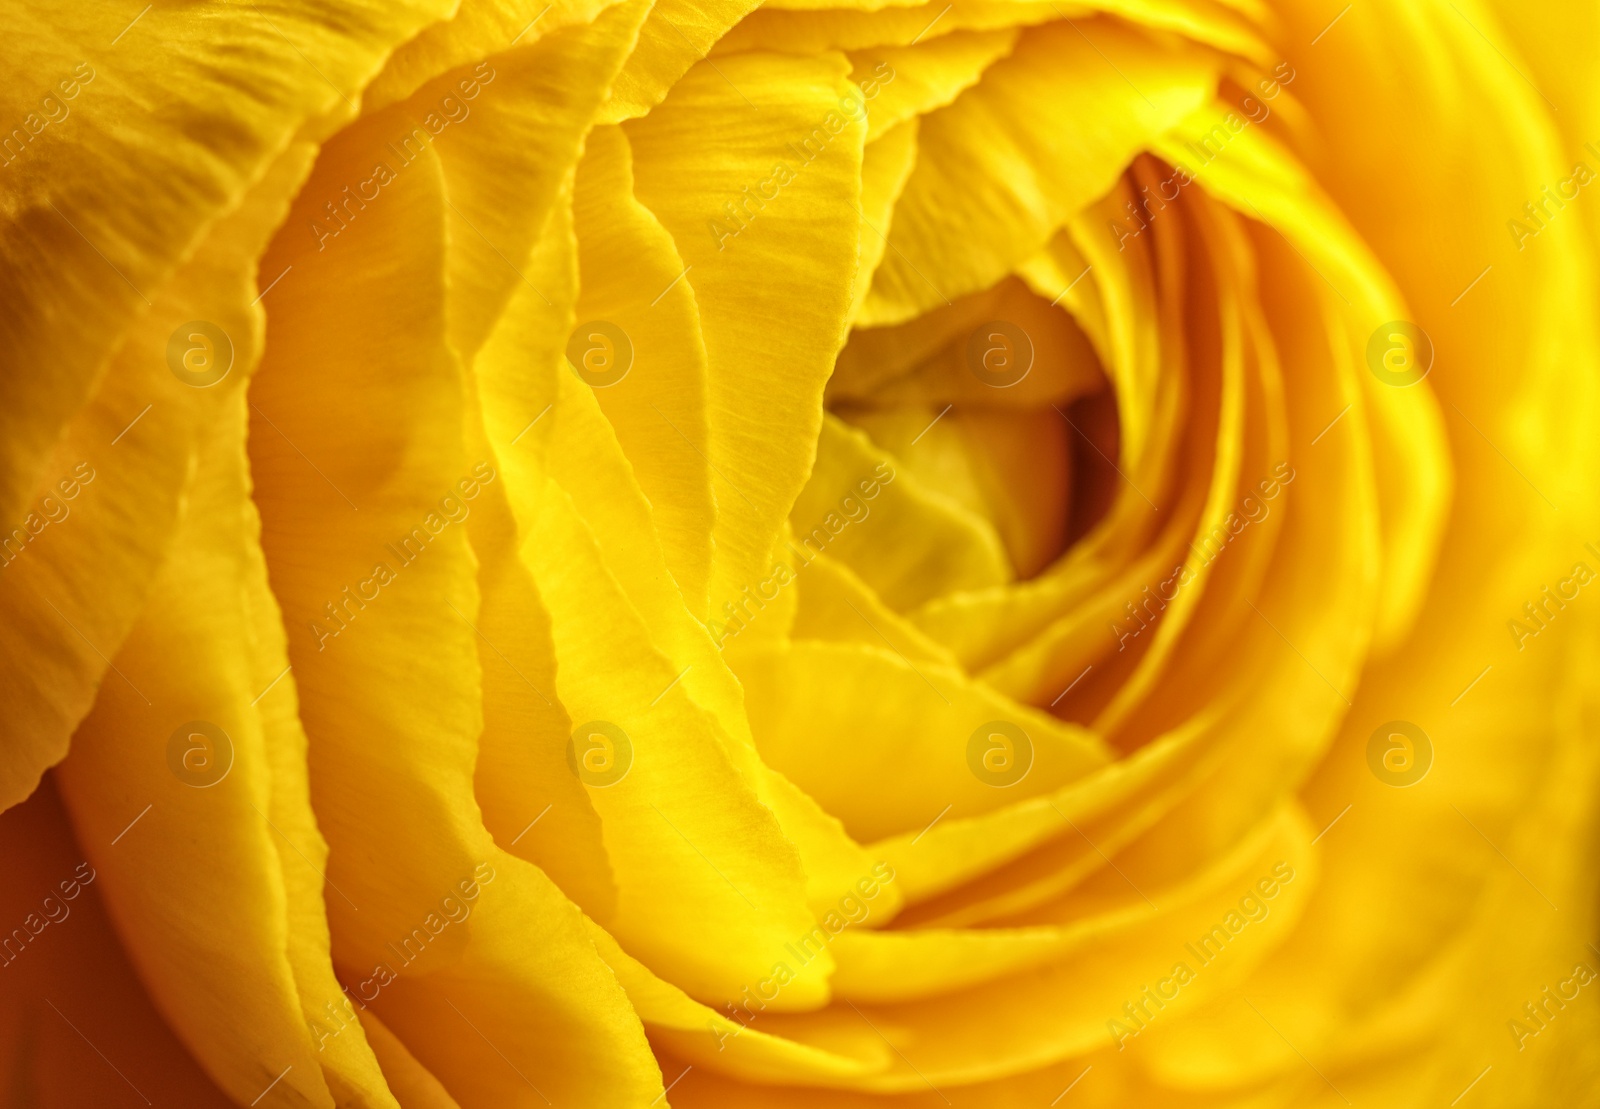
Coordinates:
[362,477]
[170,134]
[1045,131]
[883,743]
[79,1027]
[628,273]
[774,285]
[230,951]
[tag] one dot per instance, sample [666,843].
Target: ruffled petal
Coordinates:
[767,230]
[471,956]
[1045,131]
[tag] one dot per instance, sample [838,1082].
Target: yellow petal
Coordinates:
[93,236]
[1446,893]
[1130,302]
[900,83]
[844,721]
[508,132]
[79,1026]
[814,32]
[1257,177]
[728,1035]
[882,967]
[629,278]
[1045,131]
[469,32]
[1060,1009]
[364,484]
[907,540]
[533,804]
[231,951]
[618,626]
[885,165]
[676,35]
[413,1085]
[935,359]
[768,226]
[828,591]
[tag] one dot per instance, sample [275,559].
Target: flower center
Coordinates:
[997,408]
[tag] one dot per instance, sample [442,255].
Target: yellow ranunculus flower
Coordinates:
[862,552]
